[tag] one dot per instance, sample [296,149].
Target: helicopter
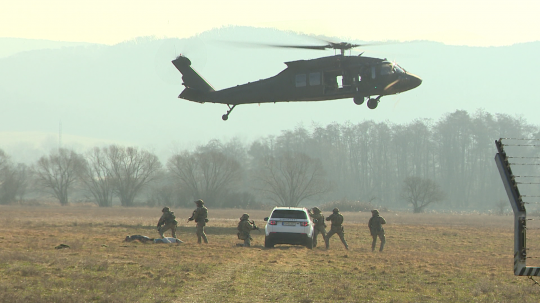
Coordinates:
[326,78]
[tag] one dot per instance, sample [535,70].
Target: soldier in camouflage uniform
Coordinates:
[244,230]
[376,229]
[320,226]
[166,222]
[200,215]
[337,228]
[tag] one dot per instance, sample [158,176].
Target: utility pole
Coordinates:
[60,135]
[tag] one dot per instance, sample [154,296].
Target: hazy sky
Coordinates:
[462,22]
[459,22]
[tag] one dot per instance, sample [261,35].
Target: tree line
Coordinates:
[387,164]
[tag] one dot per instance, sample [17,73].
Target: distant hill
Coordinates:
[11,46]
[128,92]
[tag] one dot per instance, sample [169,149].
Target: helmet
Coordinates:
[244,217]
[375,212]
[165,209]
[316,210]
[199,202]
[335,210]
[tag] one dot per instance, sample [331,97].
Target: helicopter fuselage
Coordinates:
[326,78]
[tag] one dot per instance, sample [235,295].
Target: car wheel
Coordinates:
[309,243]
[268,243]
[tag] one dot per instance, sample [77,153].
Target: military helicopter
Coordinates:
[326,78]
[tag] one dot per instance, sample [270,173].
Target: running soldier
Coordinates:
[376,229]
[320,226]
[200,215]
[337,228]
[166,222]
[244,230]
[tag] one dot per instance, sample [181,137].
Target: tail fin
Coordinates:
[191,78]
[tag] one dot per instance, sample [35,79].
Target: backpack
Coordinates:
[337,219]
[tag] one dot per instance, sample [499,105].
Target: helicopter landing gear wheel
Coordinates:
[372,103]
[358,100]
[226,116]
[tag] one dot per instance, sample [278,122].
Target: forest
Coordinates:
[365,163]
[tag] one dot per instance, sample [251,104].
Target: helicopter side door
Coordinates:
[339,81]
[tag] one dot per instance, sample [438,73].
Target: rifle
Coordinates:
[254,226]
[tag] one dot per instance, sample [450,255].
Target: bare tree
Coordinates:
[421,192]
[131,170]
[58,172]
[14,184]
[13,179]
[96,175]
[4,159]
[5,173]
[290,178]
[205,174]
[501,206]
[185,167]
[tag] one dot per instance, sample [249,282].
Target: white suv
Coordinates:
[289,225]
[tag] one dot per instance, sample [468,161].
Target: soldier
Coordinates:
[142,239]
[244,230]
[200,215]
[166,222]
[376,229]
[320,226]
[337,228]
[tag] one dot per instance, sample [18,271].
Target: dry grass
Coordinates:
[428,258]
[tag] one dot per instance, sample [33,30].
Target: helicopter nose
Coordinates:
[413,81]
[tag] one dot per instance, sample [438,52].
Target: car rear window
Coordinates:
[289,214]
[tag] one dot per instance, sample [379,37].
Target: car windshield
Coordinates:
[288,214]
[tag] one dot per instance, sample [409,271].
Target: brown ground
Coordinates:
[428,258]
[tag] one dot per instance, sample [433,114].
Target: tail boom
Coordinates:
[196,86]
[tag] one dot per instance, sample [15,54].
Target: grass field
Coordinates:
[428,258]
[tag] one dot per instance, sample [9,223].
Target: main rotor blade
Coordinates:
[330,45]
[316,47]
[255,44]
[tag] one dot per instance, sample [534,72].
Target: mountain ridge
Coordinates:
[127,92]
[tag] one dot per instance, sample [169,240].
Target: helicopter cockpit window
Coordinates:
[300,80]
[386,69]
[314,79]
[398,69]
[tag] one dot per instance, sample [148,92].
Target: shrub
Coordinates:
[348,205]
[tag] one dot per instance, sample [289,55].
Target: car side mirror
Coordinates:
[266,219]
